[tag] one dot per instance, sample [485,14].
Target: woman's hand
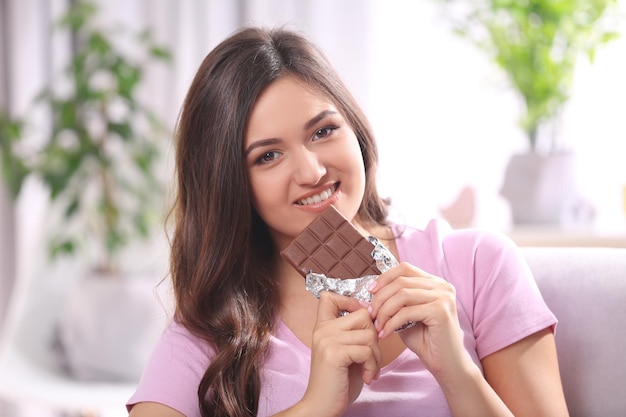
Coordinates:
[344,354]
[406,293]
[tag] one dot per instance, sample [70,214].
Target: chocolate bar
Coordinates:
[332,246]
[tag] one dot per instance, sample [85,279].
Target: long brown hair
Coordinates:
[222,254]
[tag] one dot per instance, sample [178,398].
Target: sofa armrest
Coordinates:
[586,290]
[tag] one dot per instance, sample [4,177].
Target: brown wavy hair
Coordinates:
[222,256]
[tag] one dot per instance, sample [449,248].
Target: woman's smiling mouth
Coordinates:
[317,198]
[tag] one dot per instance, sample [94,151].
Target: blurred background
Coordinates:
[448,109]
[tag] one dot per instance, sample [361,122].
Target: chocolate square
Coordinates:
[332,246]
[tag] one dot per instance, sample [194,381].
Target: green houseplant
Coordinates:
[100,160]
[537,43]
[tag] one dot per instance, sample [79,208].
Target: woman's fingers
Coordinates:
[401,302]
[407,294]
[331,305]
[407,285]
[344,354]
[369,361]
[347,340]
[402,269]
[354,329]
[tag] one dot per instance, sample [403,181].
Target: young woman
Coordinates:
[268,138]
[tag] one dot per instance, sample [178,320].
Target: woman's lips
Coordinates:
[319,197]
[318,202]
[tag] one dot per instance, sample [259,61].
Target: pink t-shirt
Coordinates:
[498,304]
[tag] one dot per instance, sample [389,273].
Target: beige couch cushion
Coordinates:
[586,289]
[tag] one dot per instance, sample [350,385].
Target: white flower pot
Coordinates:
[108,327]
[544,190]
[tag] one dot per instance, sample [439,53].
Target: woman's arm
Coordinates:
[521,379]
[526,376]
[150,409]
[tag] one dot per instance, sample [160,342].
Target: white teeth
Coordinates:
[318,197]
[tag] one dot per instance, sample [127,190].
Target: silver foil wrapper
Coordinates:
[353,287]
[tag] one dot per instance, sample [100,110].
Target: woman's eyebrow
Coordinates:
[260,144]
[317,118]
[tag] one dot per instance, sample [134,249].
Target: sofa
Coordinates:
[586,290]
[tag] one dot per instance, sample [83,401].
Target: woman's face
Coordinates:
[302,156]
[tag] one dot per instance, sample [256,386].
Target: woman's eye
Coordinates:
[267,157]
[324,132]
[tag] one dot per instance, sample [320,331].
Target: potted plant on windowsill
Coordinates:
[538,43]
[101,163]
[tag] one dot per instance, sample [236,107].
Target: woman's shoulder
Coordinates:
[178,339]
[174,370]
[438,240]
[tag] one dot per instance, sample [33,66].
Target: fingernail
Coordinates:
[372,285]
[364,304]
[381,334]
[376,324]
[370,309]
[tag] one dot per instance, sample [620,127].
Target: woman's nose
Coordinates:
[308,168]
